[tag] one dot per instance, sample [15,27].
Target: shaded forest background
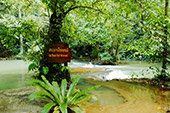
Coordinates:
[105,31]
[113,30]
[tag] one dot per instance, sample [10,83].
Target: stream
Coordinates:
[112,97]
[140,69]
[14,73]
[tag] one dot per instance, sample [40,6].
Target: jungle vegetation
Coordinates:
[105,30]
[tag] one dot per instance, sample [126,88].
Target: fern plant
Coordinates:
[62,100]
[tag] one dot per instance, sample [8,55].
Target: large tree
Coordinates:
[59,9]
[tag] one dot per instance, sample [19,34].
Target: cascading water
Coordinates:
[123,71]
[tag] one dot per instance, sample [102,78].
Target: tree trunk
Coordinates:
[165,41]
[55,73]
[97,50]
[55,28]
[21,44]
[117,49]
[165,45]
[20,36]
[112,46]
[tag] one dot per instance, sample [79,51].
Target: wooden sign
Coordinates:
[58,53]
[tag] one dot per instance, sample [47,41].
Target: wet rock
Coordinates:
[17,101]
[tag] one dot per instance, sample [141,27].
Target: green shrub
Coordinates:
[62,99]
[105,56]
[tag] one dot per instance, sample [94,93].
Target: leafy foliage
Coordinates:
[61,98]
[158,76]
[96,29]
[19,18]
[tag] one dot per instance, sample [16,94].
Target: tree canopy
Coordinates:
[108,31]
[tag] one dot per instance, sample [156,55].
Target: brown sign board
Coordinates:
[58,53]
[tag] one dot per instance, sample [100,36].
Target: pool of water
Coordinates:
[104,95]
[13,74]
[139,98]
[113,96]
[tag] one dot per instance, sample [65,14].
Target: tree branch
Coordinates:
[88,7]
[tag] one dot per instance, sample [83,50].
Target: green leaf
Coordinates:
[50,89]
[40,95]
[46,81]
[83,92]
[76,109]
[31,66]
[43,86]
[63,107]
[63,68]
[82,99]
[57,90]
[73,85]
[47,107]
[56,111]
[63,88]
[45,70]
[57,108]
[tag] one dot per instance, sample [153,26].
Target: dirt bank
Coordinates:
[84,70]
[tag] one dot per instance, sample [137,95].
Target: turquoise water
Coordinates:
[104,95]
[14,73]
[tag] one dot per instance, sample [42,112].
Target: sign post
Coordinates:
[58,53]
